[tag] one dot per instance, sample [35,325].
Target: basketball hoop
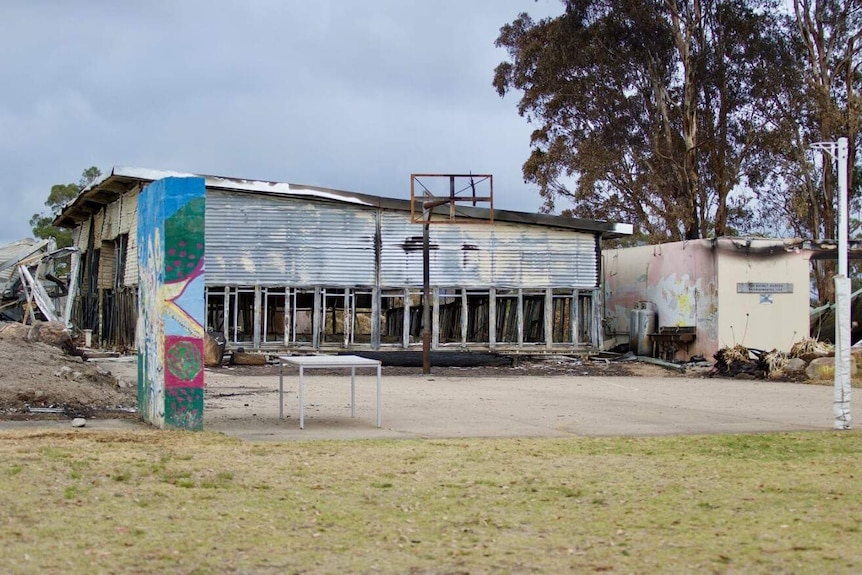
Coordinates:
[447,198]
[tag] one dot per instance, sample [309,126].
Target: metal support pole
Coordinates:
[280,388]
[841,396]
[426,299]
[842,206]
[842,300]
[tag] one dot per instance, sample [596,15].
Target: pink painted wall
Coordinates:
[678,278]
[695,283]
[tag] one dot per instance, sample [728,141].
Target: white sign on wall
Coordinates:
[763,287]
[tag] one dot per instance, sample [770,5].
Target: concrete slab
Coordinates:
[420,406]
[450,407]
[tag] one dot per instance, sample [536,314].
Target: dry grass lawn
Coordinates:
[178,502]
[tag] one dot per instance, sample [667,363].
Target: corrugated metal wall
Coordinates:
[253,239]
[262,240]
[481,255]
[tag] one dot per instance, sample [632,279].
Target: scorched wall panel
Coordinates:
[254,239]
[501,255]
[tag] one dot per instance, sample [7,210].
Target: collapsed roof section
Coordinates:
[29,281]
[122,180]
[13,253]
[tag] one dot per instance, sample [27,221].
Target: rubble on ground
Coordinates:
[748,363]
[40,379]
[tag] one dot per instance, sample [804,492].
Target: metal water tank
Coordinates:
[644,319]
[634,328]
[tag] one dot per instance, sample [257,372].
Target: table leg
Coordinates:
[280,389]
[301,394]
[378,395]
[352,392]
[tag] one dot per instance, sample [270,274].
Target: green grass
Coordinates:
[179,502]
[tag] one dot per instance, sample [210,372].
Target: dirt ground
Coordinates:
[39,381]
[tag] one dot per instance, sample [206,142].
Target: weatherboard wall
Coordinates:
[129,225]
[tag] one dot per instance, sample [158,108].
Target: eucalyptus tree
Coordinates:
[59,196]
[817,98]
[646,111]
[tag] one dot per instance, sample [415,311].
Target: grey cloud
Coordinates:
[350,95]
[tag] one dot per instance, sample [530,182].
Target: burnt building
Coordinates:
[300,267]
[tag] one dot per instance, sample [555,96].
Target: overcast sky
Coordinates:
[346,94]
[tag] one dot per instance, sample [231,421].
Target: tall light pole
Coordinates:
[838,151]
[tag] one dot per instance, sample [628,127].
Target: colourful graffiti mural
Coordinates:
[171,302]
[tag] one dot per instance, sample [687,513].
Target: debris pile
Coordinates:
[740,362]
[748,363]
[809,348]
[30,286]
[39,378]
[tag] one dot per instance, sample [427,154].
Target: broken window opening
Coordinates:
[449,315]
[273,314]
[334,313]
[414,327]
[507,316]
[302,308]
[89,291]
[121,250]
[392,317]
[215,298]
[241,317]
[534,316]
[561,326]
[585,319]
[363,304]
[478,308]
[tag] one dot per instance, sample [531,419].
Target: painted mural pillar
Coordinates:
[171,303]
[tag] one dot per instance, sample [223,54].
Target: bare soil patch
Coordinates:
[38,380]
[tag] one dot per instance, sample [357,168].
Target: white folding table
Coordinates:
[325,362]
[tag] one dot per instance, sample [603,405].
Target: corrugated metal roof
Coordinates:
[123,179]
